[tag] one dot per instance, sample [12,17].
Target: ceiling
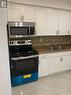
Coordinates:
[45,1]
[56,0]
[53,0]
[62,4]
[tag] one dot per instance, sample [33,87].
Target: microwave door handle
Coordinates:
[29,30]
[20,58]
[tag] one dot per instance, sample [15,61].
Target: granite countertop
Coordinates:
[50,49]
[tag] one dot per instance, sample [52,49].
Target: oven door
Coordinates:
[24,65]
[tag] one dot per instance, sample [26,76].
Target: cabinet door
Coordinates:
[54,65]
[15,12]
[41,21]
[66,63]
[63,23]
[43,67]
[69,31]
[29,13]
[52,22]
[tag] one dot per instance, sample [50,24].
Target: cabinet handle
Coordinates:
[57,32]
[22,18]
[39,62]
[36,31]
[68,32]
[61,59]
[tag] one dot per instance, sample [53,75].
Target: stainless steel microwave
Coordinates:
[20,29]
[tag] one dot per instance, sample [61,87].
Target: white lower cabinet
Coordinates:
[54,65]
[49,64]
[58,64]
[43,66]
[65,63]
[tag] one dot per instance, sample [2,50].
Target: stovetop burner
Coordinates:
[21,50]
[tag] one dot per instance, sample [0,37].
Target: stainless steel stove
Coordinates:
[23,62]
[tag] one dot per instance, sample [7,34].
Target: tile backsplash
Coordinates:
[50,40]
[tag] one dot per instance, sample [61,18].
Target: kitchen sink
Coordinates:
[52,48]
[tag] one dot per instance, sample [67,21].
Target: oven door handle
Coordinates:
[21,58]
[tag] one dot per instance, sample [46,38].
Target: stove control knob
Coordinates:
[18,42]
[11,42]
[29,41]
[22,42]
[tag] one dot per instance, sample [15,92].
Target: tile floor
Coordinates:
[57,84]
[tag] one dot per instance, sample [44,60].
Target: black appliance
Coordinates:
[23,62]
[20,29]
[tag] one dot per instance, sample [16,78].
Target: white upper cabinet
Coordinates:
[14,12]
[48,21]
[52,22]
[63,23]
[58,22]
[41,21]
[69,31]
[18,12]
[29,13]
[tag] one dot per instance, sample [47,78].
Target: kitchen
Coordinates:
[52,40]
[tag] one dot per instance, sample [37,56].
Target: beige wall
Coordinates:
[5,85]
